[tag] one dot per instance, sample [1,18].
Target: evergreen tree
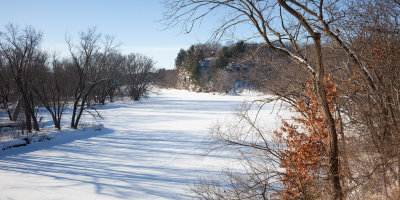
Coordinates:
[179,61]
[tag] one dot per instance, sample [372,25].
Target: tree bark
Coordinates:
[74,114]
[28,121]
[16,111]
[330,122]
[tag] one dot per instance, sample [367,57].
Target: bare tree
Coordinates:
[85,59]
[113,75]
[5,89]
[167,78]
[52,90]
[286,27]
[223,81]
[139,75]
[363,38]
[372,27]
[20,50]
[257,152]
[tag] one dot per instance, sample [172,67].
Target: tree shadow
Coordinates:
[145,150]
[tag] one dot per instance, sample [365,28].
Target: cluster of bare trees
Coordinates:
[353,44]
[167,78]
[31,78]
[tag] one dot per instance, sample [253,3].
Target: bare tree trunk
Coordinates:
[330,122]
[34,118]
[333,138]
[28,121]
[80,112]
[57,124]
[31,110]
[35,123]
[74,115]
[16,110]
[9,114]
[56,121]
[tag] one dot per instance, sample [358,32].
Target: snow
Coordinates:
[152,149]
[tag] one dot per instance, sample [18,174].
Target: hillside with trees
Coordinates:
[226,69]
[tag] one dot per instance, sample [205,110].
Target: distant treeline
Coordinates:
[95,71]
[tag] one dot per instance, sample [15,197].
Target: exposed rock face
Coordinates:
[205,64]
[184,82]
[235,75]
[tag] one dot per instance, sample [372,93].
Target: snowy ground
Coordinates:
[148,150]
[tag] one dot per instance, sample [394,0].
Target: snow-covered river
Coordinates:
[147,150]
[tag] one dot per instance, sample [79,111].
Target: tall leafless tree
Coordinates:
[139,75]
[52,89]
[85,60]
[5,89]
[113,75]
[20,48]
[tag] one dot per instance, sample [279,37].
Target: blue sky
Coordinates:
[134,23]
